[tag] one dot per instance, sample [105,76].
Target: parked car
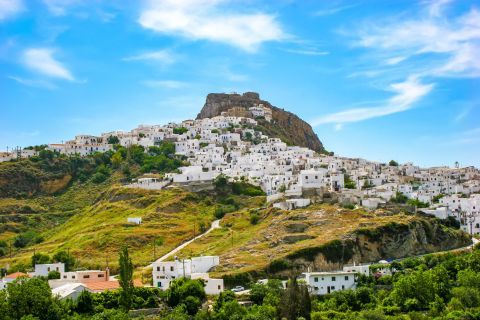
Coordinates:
[238,289]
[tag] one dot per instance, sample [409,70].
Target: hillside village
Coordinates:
[291,176]
[234,147]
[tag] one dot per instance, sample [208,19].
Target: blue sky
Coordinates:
[376,80]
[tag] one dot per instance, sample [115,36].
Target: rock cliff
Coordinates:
[284,125]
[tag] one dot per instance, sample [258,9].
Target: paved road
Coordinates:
[215,225]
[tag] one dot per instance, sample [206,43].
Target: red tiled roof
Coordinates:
[16,275]
[108,285]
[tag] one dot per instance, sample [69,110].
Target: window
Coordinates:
[171,268]
[332,287]
[315,288]
[315,279]
[101,275]
[219,287]
[73,277]
[64,277]
[86,276]
[334,278]
[159,284]
[346,278]
[158,268]
[343,287]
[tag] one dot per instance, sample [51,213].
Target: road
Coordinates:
[215,225]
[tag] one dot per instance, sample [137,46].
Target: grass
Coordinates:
[95,232]
[255,246]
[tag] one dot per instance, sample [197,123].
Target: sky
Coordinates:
[379,80]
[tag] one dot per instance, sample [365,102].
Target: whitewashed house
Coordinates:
[321,283]
[196,268]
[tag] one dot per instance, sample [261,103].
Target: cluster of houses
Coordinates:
[291,176]
[70,284]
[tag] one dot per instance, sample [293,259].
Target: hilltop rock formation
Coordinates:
[284,125]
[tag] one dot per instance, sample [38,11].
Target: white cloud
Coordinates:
[407,93]
[164,56]
[167,84]
[42,61]
[34,83]
[454,42]
[333,10]
[205,20]
[60,7]
[9,8]
[471,136]
[395,60]
[308,52]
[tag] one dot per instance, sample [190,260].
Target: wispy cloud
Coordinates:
[41,60]
[166,84]
[407,93]
[164,56]
[308,52]
[395,60]
[454,42]
[10,8]
[471,136]
[333,10]
[207,20]
[60,7]
[34,83]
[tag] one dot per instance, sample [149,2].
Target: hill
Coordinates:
[284,125]
[252,240]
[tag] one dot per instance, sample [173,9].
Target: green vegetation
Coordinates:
[125,279]
[393,163]
[180,130]
[349,183]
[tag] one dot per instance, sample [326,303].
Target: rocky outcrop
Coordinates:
[284,125]
[391,241]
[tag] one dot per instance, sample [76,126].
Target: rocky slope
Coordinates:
[285,125]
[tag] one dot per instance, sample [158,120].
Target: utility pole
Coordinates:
[154,249]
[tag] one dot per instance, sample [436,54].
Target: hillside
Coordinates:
[322,236]
[285,125]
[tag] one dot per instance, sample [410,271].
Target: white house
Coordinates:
[134,220]
[321,283]
[42,270]
[195,268]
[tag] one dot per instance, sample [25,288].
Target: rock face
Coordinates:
[284,125]
[392,241]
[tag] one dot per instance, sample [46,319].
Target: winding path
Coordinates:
[215,225]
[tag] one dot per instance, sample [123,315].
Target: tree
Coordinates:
[66,258]
[116,159]
[222,298]
[53,275]
[393,163]
[126,279]
[295,301]
[190,293]
[84,303]
[32,297]
[113,140]
[39,258]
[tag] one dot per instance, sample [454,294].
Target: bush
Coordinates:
[53,275]
[220,211]
[254,218]
[27,238]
